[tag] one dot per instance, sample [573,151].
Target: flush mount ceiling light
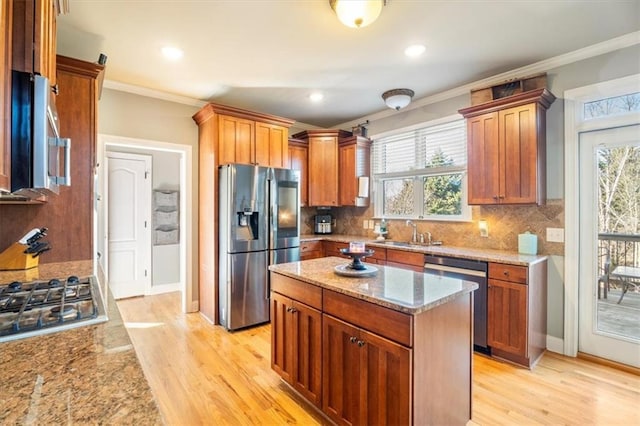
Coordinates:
[316,97]
[397,98]
[357,13]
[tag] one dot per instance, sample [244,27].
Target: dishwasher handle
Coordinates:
[442,268]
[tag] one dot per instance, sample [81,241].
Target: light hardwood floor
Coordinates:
[201,374]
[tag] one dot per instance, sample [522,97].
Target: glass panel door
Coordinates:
[610,244]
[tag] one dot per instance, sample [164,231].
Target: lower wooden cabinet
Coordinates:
[516,310]
[296,345]
[405,259]
[311,250]
[366,377]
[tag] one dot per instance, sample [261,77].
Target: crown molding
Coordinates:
[152,93]
[611,45]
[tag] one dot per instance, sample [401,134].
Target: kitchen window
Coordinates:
[420,172]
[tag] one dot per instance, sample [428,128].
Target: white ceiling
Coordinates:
[268,56]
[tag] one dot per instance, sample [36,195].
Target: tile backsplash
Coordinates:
[504,222]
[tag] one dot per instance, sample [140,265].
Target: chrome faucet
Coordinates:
[414,235]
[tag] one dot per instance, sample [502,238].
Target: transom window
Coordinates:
[420,173]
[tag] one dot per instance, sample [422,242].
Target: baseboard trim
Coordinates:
[608,363]
[164,288]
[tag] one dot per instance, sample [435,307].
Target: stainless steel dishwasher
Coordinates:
[468,270]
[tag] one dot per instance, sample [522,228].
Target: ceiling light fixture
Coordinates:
[357,13]
[397,98]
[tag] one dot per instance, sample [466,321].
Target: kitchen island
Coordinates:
[86,375]
[390,348]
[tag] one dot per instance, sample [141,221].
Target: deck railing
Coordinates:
[622,249]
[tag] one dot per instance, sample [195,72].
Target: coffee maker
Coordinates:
[323,224]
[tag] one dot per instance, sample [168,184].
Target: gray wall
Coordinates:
[140,117]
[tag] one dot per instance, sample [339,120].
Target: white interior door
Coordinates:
[608,234]
[129,224]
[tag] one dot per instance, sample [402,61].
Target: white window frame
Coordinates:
[417,175]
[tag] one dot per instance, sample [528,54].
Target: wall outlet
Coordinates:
[372,224]
[365,224]
[555,235]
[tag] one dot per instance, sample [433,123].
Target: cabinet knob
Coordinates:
[361,343]
[495,197]
[293,310]
[506,273]
[353,339]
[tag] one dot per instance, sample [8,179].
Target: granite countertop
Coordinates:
[86,375]
[507,257]
[395,288]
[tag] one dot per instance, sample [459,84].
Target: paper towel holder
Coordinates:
[363,187]
[484,228]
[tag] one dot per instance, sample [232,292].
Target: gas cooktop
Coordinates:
[39,307]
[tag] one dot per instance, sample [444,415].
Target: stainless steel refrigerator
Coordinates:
[259,226]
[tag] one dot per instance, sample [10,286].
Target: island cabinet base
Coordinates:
[378,365]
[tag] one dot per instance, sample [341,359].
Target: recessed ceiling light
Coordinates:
[316,97]
[172,53]
[414,50]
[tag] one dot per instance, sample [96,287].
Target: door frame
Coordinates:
[574,124]
[188,237]
[148,161]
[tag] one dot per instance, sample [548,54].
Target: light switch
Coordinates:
[365,224]
[555,235]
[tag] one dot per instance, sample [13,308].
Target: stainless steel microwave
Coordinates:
[40,158]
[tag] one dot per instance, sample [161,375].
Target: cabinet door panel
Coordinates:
[271,145]
[387,388]
[507,323]
[518,141]
[298,161]
[348,181]
[341,371]
[483,162]
[5,94]
[236,138]
[307,377]
[323,171]
[282,334]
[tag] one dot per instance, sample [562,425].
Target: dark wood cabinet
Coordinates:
[228,135]
[506,149]
[311,250]
[299,160]
[68,215]
[378,365]
[366,377]
[6,21]
[354,163]
[34,37]
[323,165]
[271,145]
[405,259]
[296,339]
[517,312]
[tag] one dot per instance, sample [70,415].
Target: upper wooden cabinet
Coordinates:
[271,146]
[6,19]
[299,160]
[354,163]
[506,148]
[323,165]
[229,135]
[34,37]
